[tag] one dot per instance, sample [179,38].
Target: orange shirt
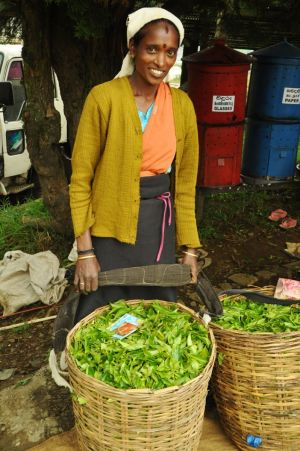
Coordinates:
[159,138]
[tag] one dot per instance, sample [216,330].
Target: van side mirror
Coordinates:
[6,93]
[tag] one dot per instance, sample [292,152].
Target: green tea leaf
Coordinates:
[23,382]
[241,313]
[170,348]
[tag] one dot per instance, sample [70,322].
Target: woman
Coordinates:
[135,134]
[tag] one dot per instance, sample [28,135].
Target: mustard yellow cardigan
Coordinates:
[104,189]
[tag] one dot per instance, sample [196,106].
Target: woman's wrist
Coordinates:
[86,251]
[86,257]
[191,251]
[84,243]
[191,254]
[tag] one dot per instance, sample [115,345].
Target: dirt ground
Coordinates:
[251,248]
[256,252]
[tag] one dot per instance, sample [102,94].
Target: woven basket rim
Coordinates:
[158,392]
[265,290]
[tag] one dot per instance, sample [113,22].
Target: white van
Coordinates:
[14,159]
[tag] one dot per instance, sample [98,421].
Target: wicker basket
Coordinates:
[257,387]
[136,420]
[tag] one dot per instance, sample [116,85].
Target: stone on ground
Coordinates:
[243,279]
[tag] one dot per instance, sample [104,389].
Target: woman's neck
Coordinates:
[143,90]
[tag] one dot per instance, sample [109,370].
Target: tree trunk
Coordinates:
[42,121]
[89,61]
[49,41]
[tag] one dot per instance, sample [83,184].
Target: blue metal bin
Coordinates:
[274,90]
[270,149]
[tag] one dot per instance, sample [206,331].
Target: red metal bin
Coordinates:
[220,156]
[217,85]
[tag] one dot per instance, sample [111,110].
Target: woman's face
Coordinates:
[156,53]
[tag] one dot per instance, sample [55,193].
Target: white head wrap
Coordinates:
[138,20]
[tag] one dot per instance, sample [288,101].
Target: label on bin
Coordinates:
[291,96]
[223,104]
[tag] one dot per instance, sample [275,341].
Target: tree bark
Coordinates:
[81,64]
[42,121]
[50,41]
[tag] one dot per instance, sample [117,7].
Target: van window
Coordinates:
[15,76]
[15,142]
[15,71]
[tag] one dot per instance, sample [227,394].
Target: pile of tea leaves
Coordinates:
[168,349]
[243,314]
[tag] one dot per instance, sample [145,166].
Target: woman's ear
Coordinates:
[132,48]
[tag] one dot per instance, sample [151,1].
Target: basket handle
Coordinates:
[165,275]
[261,298]
[161,275]
[207,294]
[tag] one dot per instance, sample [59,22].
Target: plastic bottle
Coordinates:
[253,440]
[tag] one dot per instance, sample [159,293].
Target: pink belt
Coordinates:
[166,198]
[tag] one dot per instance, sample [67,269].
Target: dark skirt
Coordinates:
[113,254]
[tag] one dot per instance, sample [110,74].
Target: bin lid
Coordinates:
[219,54]
[281,50]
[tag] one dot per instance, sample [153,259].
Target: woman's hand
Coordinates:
[87,266]
[86,275]
[192,261]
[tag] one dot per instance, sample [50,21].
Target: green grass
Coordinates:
[27,227]
[23,328]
